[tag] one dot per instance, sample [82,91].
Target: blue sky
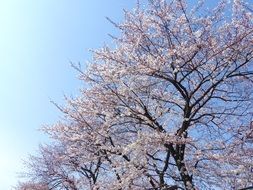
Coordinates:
[38,39]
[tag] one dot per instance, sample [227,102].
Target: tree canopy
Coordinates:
[168,107]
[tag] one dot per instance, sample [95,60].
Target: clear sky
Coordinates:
[38,39]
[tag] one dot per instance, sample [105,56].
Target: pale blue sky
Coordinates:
[38,39]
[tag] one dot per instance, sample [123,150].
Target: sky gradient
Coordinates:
[38,40]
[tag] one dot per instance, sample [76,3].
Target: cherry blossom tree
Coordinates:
[31,186]
[59,169]
[168,107]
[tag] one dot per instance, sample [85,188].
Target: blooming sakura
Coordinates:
[168,107]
